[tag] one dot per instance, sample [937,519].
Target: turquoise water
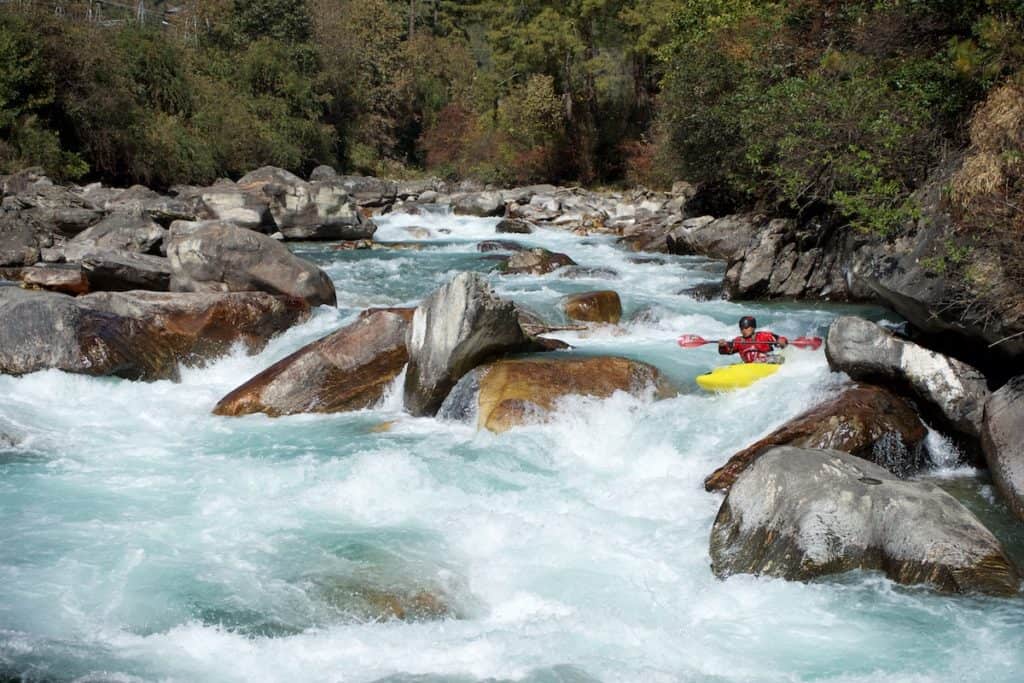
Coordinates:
[143,539]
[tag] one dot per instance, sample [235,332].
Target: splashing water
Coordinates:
[144,539]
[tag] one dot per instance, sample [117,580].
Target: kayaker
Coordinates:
[753,346]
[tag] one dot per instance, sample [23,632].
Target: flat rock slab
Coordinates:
[66,279]
[866,421]
[800,514]
[347,370]
[216,256]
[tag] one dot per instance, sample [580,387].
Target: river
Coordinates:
[144,539]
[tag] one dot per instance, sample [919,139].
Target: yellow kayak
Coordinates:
[736,376]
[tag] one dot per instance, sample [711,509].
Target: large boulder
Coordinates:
[55,209]
[602,306]
[136,335]
[139,199]
[481,204]
[1002,439]
[246,207]
[954,391]
[122,230]
[21,239]
[458,327]
[347,370]
[219,257]
[725,238]
[866,421]
[800,514]
[116,270]
[514,226]
[317,210]
[537,261]
[508,393]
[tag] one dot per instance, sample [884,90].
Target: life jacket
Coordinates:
[755,349]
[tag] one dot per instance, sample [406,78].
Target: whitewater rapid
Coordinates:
[144,539]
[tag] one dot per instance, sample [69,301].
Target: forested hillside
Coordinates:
[807,107]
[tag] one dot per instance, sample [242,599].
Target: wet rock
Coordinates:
[1002,439]
[419,233]
[955,391]
[137,335]
[705,291]
[866,421]
[363,601]
[499,245]
[481,204]
[347,370]
[456,328]
[220,257]
[515,226]
[508,393]
[800,514]
[602,306]
[585,273]
[122,230]
[66,279]
[535,262]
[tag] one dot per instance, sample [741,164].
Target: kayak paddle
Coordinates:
[692,341]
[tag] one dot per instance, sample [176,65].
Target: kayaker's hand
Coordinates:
[783,342]
[723,347]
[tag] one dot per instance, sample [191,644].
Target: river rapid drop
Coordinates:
[144,539]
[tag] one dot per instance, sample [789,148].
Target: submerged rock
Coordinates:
[535,262]
[863,350]
[508,393]
[219,257]
[456,328]
[347,370]
[602,306]
[799,514]
[866,421]
[1002,439]
[516,226]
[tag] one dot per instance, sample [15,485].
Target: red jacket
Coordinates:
[755,349]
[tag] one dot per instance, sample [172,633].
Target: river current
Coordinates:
[144,539]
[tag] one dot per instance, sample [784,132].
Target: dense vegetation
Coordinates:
[814,107]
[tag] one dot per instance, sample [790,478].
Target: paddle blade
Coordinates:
[812,343]
[691,341]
